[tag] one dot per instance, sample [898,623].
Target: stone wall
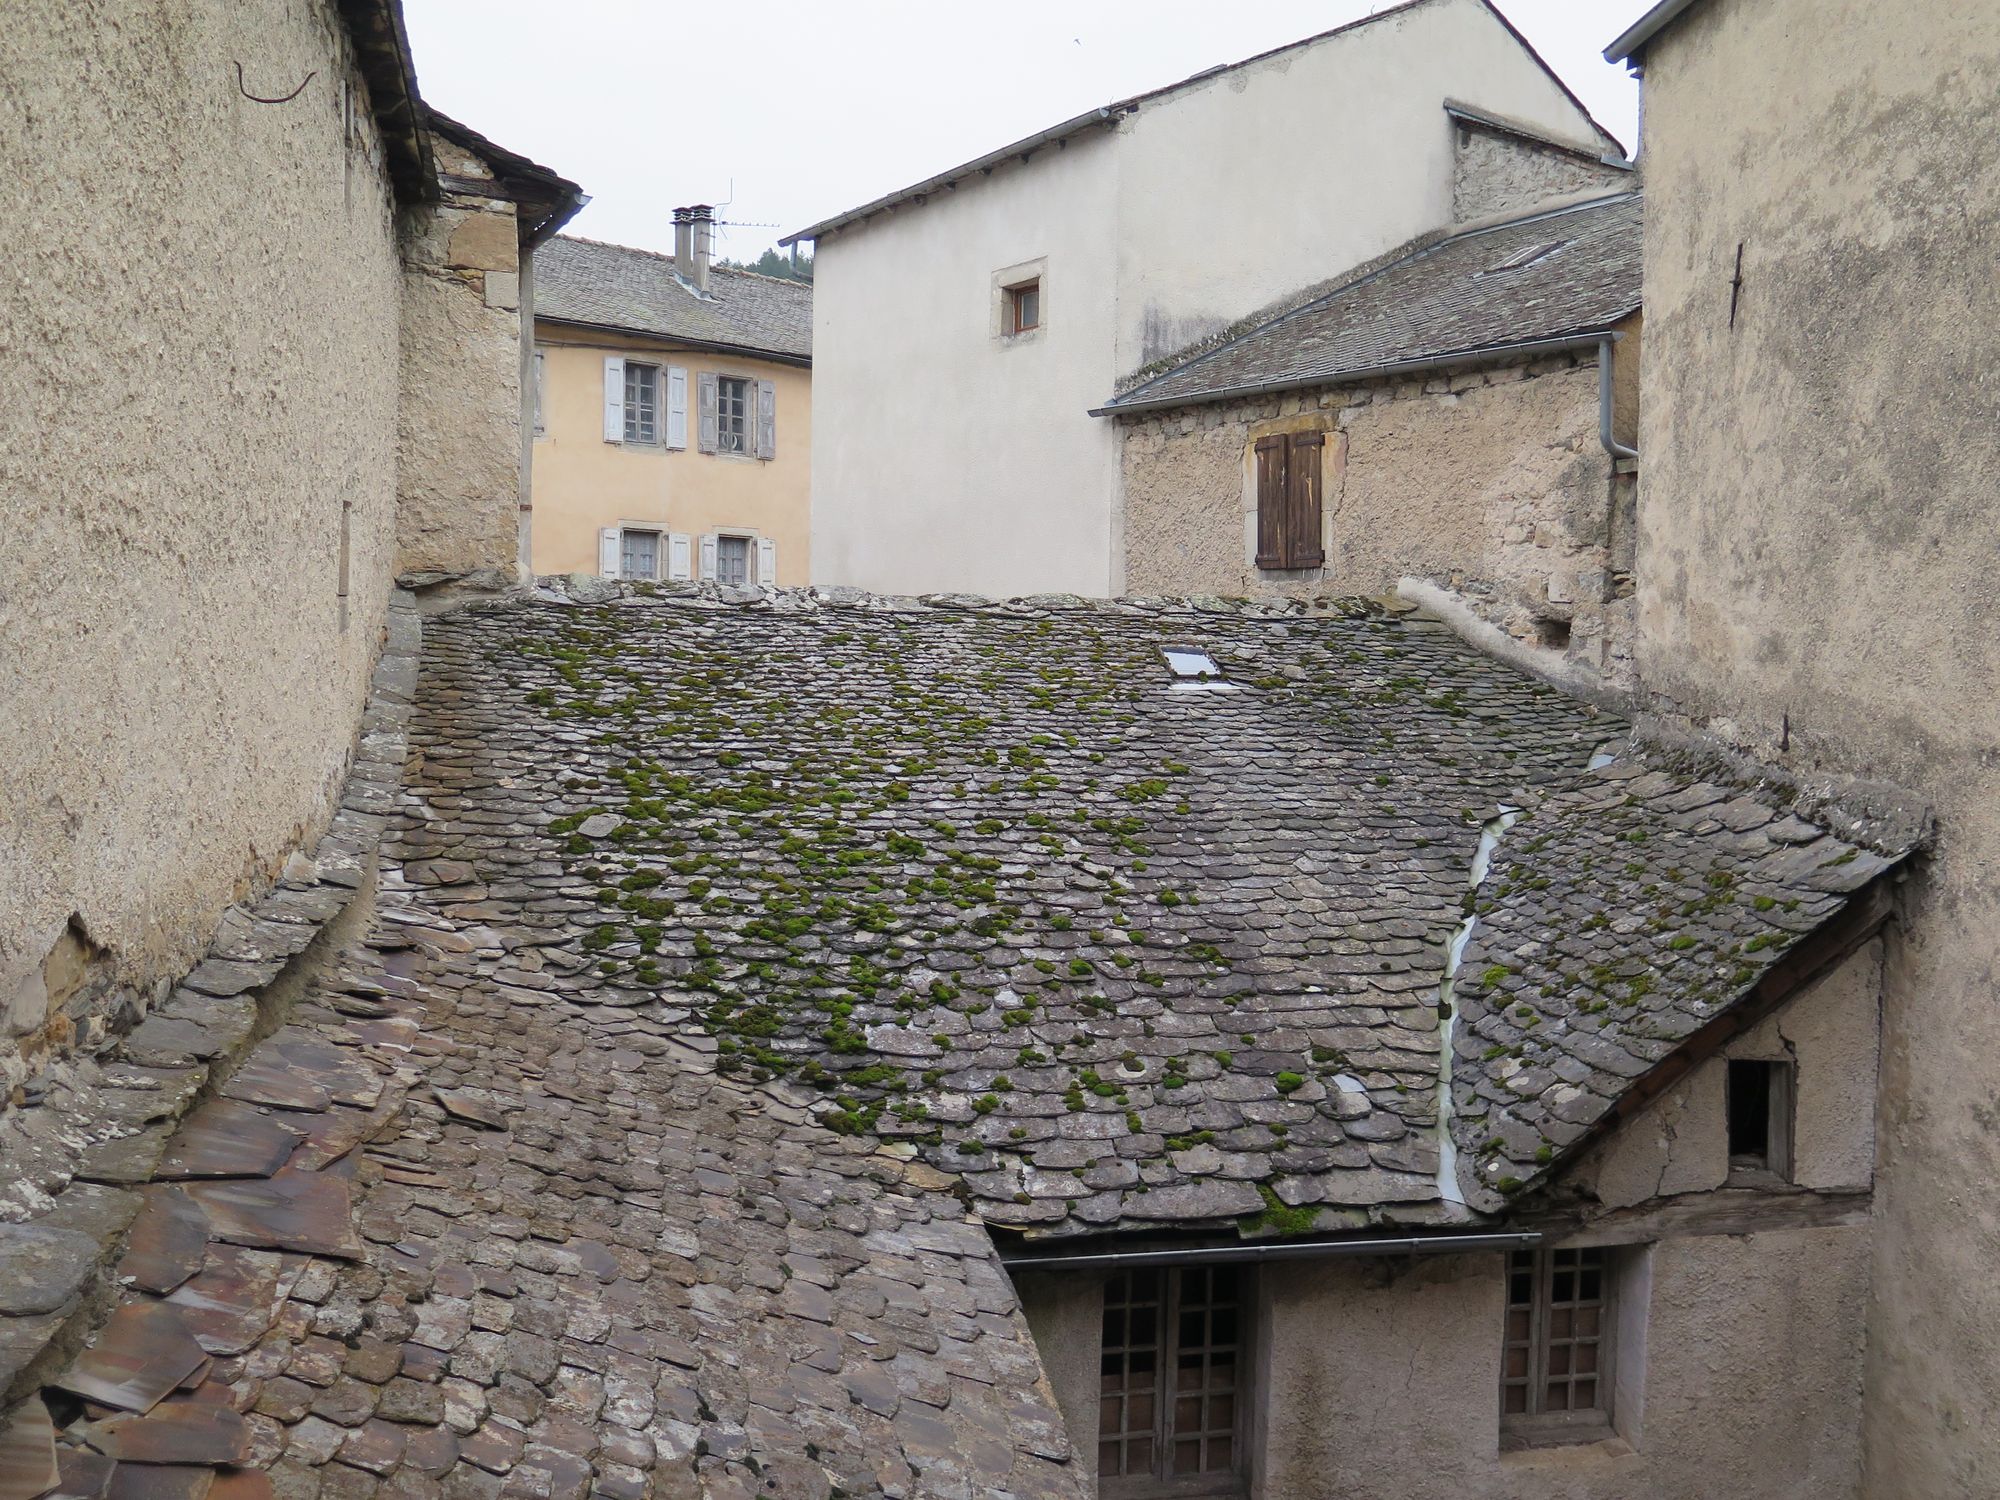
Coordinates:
[198,470]
[1488,482]
[1818,530]
[460,499]
[1496,172]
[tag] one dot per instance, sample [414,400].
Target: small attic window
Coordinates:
[1520,260]
[1190,665]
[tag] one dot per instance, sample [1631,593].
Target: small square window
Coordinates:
[1760,1117]
[1024,307]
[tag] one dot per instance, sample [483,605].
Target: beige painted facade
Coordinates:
[1738,1339]
[1122,225]
[199,471]
[1817,533]
[1490,483]
[584,484]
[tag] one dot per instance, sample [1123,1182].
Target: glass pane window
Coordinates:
[639,554]
[732,560]
[1555,1344]
[1024,307]
[732,414]
[642,403]
[1170,1403]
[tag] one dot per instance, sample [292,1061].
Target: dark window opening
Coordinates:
[1552,633]
[1760,1113]
[1171,1392]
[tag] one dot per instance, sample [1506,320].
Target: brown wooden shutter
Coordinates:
[1302,527]
[1271,502]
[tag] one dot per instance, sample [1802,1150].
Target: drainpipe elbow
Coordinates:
[1612,446]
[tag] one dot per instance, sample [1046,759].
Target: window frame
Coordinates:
[749,542]
[1775,1162]
[1537,1427]
[1288,500]
[748,447]
[659,405]
[1012,298]
[541,427]
[658,535]
[1160,1484]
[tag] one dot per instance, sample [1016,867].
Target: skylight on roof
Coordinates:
[1521,259]
[1195,670]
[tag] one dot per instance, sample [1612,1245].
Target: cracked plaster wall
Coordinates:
[1830,1035]
[1817,533]
[202,311]
[1490,482]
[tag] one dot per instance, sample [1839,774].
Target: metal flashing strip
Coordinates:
[1409,1244]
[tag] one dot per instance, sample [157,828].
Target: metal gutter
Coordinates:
[1605,397]
[1368,372]
[1643,30]
[1408,1244]
[1466,114]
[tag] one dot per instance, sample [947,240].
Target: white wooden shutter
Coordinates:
[614,404]
[708,420]
[708,556]
[607,552]
[677,406]
[767,419]
[767,562]
[680,562]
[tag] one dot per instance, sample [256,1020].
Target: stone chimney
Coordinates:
[694,244]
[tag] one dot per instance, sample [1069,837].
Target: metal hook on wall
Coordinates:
[260,99]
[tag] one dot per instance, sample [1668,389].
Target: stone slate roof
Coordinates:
[1444,300]
[1118,954]
[636,291]
[456,1225]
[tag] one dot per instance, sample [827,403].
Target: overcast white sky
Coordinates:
[802,108]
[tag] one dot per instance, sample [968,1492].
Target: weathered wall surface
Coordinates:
[1496,173]
[1817,534]
[583,482]
[1147,236]
[1375,1380]
[201,314]
[1831,1037]
[1490,482]
[460,432]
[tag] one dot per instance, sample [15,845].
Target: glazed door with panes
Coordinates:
[1171,1407]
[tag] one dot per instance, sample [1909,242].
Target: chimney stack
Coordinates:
[694,244]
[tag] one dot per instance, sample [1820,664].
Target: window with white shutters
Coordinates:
[733,409]
[642,403]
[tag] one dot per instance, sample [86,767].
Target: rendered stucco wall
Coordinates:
[201,309]
[1830,1035]
[1489,482]
[1817,534]
[950,458]
[460,448]
[582,483]
[1238,191]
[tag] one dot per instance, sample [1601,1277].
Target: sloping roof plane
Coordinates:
[619,287]
[1541,277]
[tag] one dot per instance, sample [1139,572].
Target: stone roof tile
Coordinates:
[620,287]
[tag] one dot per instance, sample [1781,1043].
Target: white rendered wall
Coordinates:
[946,458]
